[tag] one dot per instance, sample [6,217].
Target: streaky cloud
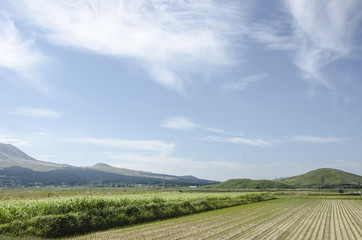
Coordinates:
[316,33]
[9,139]
[178,123]
[244,82]
[240,140]
[317,139]
[141,145]
[171,40]
[20,55]
[37,112]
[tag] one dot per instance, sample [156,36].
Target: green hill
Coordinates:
[324,177]
[251,184]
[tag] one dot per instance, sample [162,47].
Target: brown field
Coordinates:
[286,218]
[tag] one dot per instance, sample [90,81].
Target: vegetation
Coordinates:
[251,184]
[290,217]
[320,178]
[56,217]
[325,178]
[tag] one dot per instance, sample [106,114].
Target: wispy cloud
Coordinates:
[171,39]
[218,170]
[183,123]
[317,34]
[316,139]
[20,55]
[9,139]
[244,82]
[141,145]
[37,112]
[178,123]
[240,140]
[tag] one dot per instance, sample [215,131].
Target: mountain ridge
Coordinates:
[19,169]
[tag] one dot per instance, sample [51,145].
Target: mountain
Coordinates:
[324,177]
[12,156]
[124,171]
[19,169]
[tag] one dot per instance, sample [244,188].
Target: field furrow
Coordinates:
[277,219]
[271,230]
[282,231]
[256,224]
[304,222]
[355,216]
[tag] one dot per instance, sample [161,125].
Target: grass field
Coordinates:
[327,217]
[66,216]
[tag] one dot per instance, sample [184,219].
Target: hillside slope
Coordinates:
[124,171]
[324,177]
[19,169]
[12,156]
[251,184]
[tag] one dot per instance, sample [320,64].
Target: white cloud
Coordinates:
[215,130]
[8,139]
[318,34]
[183,123]
[316,139]
[172,39]
[325,31]
[179,123]
[141,145]
[20,55]
[244,83]
[214,170]
[240,140]
[37,112]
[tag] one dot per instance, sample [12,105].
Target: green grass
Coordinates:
[64,216]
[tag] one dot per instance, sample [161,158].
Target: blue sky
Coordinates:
[214,89]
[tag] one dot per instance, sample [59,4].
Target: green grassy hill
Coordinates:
[251,184]
[324,177]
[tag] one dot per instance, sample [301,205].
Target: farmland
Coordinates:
[330,217]
[62,216]
[143,214]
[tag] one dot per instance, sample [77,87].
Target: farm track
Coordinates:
[276,219]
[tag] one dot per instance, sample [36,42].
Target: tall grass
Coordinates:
[68,216]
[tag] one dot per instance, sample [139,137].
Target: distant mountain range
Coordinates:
[319,178]
[19,169]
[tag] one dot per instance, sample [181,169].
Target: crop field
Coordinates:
[285,218]
[66,216]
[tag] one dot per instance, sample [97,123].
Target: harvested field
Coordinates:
[308,218]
